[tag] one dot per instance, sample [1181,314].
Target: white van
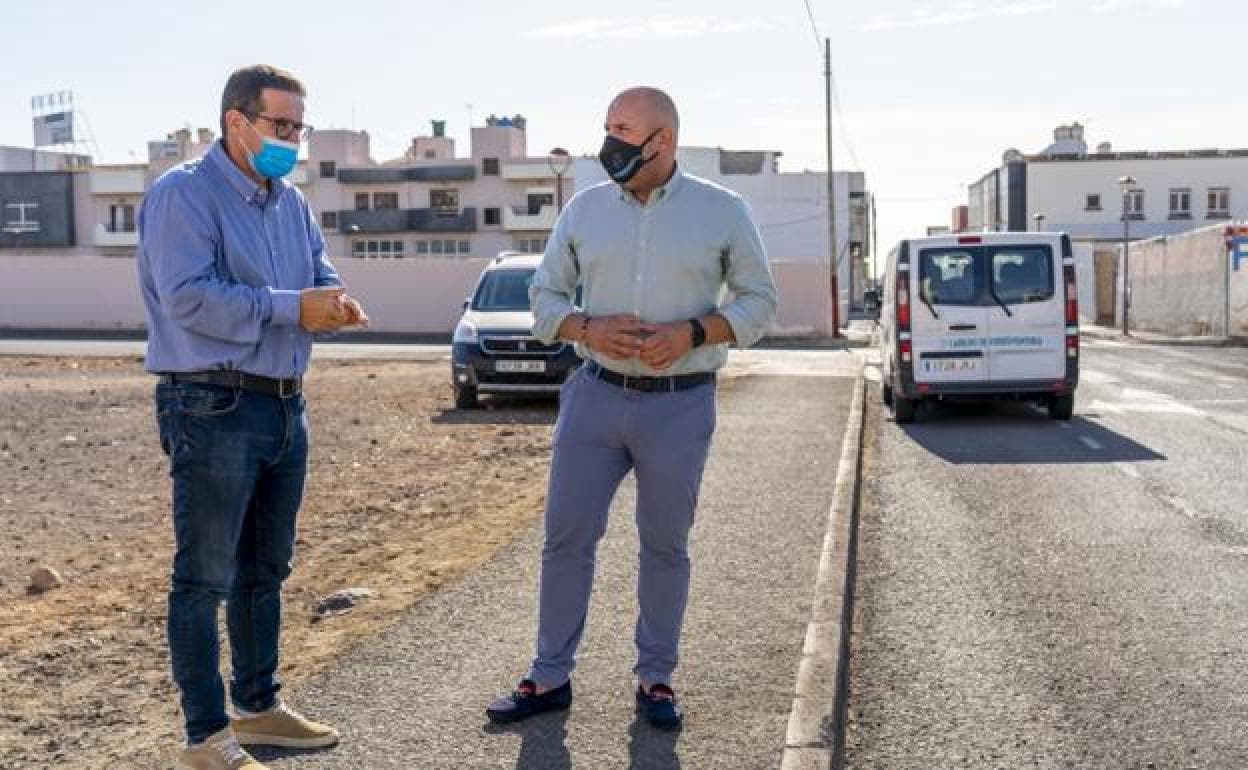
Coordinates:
[990,315]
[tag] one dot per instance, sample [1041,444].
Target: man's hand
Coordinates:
[665,343]
[617,336]
[355,312]
[323,309]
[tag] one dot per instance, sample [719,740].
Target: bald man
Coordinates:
[654,250]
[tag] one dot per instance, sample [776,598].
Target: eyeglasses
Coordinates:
[288,129]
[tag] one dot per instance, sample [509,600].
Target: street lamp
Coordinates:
[1126,183]
[559,161]
[1039,222]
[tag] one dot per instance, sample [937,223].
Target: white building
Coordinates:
[1076,191]
[791,211]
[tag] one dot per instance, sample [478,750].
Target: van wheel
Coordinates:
[1062,407]
[465,397]
[886,393]
[904,409]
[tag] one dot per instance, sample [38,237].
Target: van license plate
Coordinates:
[952,365]
[519,366]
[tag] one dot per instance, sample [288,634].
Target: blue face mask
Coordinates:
[276,158]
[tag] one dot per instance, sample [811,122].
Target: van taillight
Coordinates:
[1072,297]
[1072,312]
[906,350]
[903,302]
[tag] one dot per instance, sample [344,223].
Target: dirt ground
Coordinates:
[405,493]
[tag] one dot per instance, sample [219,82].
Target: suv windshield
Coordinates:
[504,291]
[960,276]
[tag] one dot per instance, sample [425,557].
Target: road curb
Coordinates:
[815,736]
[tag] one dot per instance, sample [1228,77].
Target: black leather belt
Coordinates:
[650,384]
[269,386]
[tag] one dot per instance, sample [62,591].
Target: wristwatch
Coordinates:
[699,332]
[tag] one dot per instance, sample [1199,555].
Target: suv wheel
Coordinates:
[465,397]
[1062,407]
[886,393]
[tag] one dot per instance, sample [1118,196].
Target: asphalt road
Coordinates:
[1039,594]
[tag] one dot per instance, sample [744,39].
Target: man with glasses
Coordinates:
[235,282]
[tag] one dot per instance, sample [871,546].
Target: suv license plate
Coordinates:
[520,366]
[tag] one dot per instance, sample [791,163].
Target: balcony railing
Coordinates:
[522,218]
[407,221]
[106,237]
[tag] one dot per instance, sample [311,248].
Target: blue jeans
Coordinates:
[238,461]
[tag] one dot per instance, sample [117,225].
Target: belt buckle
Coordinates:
[281,387]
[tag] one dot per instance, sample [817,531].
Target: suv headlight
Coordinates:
[465,332]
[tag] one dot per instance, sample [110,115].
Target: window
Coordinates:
[1093,202]
[489,167]
[329,220]
[465,247]
[531,245]
[361,201]
[121,218]
[430,154]
[435,246]
[386,200]
[1023,274]
[444,201]
[329,169]
[422,247]
[19,217]
[377,249]
[1135,204]
[1180,203]
[972,276]
[493,216]
[537,200]
[1219,203]
[948,278]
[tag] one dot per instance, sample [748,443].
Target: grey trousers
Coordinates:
[602,432]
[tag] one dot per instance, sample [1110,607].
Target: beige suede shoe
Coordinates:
[283,726]
[219,752]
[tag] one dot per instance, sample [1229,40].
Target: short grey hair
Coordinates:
[243,89]
[657,100]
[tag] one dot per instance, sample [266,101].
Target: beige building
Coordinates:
[430,203]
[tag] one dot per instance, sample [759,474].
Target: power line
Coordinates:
[847,139]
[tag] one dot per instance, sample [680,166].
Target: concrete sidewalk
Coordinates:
[1154,338]
[414,697]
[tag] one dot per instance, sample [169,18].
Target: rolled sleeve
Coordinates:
[554,284]
[752,310]
[181,247]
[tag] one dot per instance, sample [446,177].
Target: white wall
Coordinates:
[1059,189]
[410,295]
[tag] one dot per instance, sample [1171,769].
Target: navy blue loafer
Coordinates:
[525,702]
[660,707]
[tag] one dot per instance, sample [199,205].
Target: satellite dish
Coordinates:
[1012,156]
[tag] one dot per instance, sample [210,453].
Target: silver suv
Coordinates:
[493,349]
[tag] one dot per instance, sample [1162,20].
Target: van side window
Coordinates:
[1023,274]
[948,277]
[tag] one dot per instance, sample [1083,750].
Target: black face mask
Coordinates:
[623,160]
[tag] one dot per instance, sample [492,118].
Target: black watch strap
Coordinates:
[699,332]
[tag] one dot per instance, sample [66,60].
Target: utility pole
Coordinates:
[833,261]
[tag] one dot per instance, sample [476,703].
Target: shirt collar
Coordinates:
[243,184]
[659,194]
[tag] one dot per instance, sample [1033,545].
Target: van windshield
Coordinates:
[971,275]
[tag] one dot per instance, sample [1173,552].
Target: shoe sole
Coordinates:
[286,742]
[502,718]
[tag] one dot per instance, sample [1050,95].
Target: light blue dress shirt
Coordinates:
[221,262]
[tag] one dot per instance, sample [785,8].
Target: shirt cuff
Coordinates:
[743,329]
[285,307]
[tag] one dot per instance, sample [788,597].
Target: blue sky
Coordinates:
[931,92]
